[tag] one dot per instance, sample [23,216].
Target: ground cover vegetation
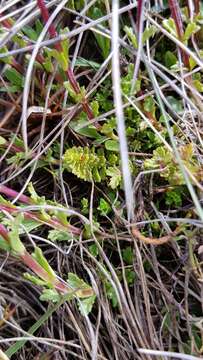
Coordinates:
[101,187]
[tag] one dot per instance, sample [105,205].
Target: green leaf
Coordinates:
[57,235]
[173,197]
[81,62]
[131,36]
[93,249]
[85,305]
[7,59]
[148,33]
[26,226]
[176,104]
[11,89]
[115,175]
[38,200]
[15,242]
[191,29]
[111,294]
[39,257]
[82,289]
[4,244]
[103,42]
[170,59]
[128,255]
[112,145]
[2,140]
[81,127]
[85,163]
[170,26]
[30,33]
[85,206]
[64,55]
[104,207]
[39,27]
[50,295]
[149,105]
[130,276]
[14,77]
[35,280]
[109,127]
[198,85]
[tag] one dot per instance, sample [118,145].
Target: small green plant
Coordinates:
[164,160]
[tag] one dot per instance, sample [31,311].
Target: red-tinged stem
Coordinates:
[140,4]
[12,193]
[33,265]
[52,29]
[69,72]
[4,232]
[176,15]
[72,80]
[55,224]
[197,6]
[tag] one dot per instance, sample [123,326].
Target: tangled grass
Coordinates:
[101,180]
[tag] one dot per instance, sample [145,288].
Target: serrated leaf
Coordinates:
[57,235]
[81,288]
[50,295]
[104,207]
[170,26]
[85,305]
[26,226]
[191,29]
[148,33]
[131,36]
[115,175]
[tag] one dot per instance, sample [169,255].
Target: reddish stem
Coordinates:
[12,193]
[55,224]
[140,4]
[4,233]
[69,72]
[176,15]
[197,6]
[52,29]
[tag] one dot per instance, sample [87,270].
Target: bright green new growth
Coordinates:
[85,163]
[164,160]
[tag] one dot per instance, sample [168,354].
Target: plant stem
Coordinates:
[12,193]
[33,265]
[54,223]
[176,15]
[69,72]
